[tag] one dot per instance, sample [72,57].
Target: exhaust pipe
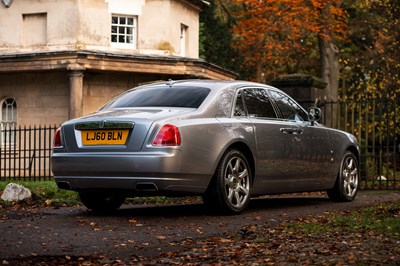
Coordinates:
[146,187]
[63,185]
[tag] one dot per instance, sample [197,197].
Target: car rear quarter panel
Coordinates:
[204,141]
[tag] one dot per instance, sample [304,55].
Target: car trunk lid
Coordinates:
[124,129]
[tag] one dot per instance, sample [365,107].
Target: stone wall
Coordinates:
[43,97]
[100,87]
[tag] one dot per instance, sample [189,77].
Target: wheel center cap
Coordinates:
[234,179]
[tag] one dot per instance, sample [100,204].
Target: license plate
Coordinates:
[104,137]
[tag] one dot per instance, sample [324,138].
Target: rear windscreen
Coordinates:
[165,96]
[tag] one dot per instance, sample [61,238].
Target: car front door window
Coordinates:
[290,110]
[258,103]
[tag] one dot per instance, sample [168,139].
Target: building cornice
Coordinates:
[86,60]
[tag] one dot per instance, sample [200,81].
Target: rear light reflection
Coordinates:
[168,136]
[57,142]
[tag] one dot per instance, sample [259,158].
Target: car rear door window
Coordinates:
[239,110]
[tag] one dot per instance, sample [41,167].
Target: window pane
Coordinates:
[8,121]
[162,96]
[290,109]
[239,107]
[258,103]
[121,32]
[9,110]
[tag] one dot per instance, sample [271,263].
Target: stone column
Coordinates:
[305,89]
[76,93]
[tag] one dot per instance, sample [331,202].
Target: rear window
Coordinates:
[162,96]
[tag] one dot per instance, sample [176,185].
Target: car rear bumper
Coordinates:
[134,173]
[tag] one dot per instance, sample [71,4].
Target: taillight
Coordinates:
[57,142]
[168,136]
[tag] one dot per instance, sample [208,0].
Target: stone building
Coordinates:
[60,59]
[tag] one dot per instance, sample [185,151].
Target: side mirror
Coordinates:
[314,115]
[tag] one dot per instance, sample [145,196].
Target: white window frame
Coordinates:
[8,120]
[183,40]
[122,30]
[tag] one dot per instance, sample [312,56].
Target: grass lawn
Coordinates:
[44,193]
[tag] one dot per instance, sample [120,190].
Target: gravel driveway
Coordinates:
[139,232]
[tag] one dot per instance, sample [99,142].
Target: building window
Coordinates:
[123,31]
[184,40]
[34,29]
[8,120]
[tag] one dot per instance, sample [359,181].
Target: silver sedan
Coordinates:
[224,140]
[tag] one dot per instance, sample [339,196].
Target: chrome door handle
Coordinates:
[290,130]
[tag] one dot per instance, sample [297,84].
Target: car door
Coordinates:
[274,149]
[312,154]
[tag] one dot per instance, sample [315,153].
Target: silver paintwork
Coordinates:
[285,156]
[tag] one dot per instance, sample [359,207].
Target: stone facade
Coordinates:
[49,25]
[58,60]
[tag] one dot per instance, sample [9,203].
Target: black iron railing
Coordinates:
[25,152]
[375,121]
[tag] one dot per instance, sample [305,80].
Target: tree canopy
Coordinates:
[265,39]
[216,38]
[281,36]
[370,59]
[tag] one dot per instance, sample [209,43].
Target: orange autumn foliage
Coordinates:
[271,33]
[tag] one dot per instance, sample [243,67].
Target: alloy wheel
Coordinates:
[237,182]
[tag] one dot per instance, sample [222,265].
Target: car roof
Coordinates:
[208,83]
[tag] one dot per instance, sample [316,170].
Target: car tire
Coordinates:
[229,189]
[100,201]
[347,182]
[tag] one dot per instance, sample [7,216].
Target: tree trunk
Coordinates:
[329,58]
